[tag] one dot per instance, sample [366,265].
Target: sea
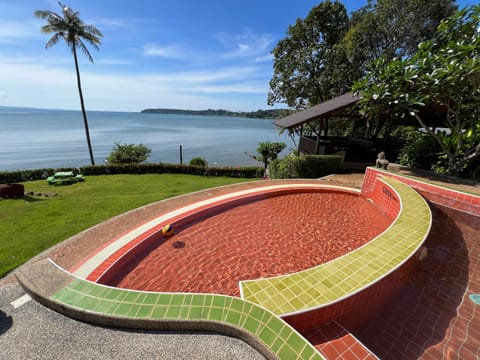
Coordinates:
[37,138]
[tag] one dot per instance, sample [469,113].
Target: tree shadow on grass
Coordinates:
[32,199]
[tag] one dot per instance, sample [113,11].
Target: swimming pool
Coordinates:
[269,232]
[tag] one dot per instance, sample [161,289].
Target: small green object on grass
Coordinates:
[65,178]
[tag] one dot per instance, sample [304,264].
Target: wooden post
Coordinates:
[181,155]
[300,139]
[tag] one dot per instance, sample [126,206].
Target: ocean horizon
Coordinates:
[47,138]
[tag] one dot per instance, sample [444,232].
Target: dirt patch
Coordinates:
[353,180]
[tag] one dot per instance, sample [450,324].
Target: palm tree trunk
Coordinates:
[82,104]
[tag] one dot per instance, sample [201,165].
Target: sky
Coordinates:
[183,54]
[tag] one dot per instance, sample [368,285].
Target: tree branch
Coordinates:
[433,134]
[475,154]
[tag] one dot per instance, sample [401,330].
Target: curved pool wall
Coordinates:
[350,288]
[454,199]
[364,288]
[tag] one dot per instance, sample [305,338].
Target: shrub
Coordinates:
[129,154]
[149,168]
[26,175]
[472,171]
[198,161]
[306,166]
[420,151]
[268,151]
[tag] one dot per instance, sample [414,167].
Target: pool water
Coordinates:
[267,237]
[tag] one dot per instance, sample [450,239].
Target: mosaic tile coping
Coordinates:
[345,276]
[91,302]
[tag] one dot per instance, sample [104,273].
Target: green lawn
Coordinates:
[31,225]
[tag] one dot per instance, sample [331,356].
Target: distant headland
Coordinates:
[259,114]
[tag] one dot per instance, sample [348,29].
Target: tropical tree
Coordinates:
[439,86]
[327,51]
[72,29]
[304,60]
[268,151]
[393,28]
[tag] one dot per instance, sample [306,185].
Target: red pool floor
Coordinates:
[434,317]
[268,237]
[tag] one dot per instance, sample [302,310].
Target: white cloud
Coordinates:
[43,85]
[246,44]
[110,22]
[264,58]
[121,22]
[112,61]
[13,31]
[169,52]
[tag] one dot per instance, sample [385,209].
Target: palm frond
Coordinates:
[93,40]
[53,40]
[45,14]
[71,28]
[80,45]
[93,31]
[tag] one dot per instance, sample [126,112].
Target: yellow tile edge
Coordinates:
[333,281]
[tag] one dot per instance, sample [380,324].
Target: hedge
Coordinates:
[305,166]
[149,168]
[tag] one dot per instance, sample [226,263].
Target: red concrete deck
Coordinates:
[434,317]
[335,342]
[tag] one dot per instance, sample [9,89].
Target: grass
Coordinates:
[31,225]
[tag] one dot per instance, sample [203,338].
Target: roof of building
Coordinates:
[326,108]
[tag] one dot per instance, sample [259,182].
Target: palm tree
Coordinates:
[72,29]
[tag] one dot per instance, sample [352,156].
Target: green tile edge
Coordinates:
[340,278]
[109,306]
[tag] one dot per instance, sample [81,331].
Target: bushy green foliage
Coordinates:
[472,171]
[160,168]
[129,154]
[258,114]
[420,151]
[7,177]
[268,151]
[325,52]
[198,161]
[444,76]
[302,74]
[149,168]
[306,166]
